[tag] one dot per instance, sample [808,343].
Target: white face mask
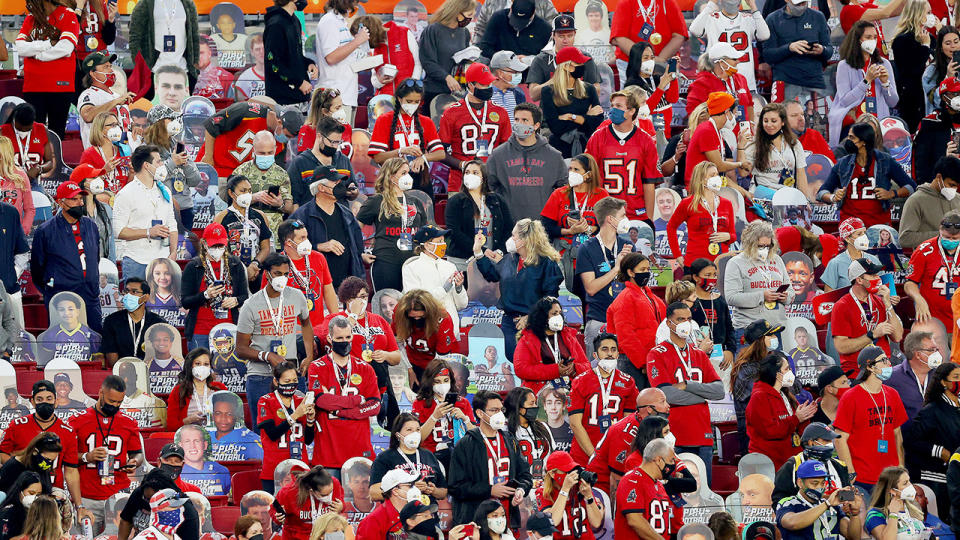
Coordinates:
[441,389]
[763,252]
[788,379]
[868,45]
[498,421]
[511,245]
[861,242]
[115,134]
[955,103]
[684,329]
[216,253]
[623,226]
[160,174]
[908,493]
[304,248]
[774,343]
[414,494]
[175,127]
[671,439]
[930,21]
[340,115]
[201,372]
[730,123]
[96,186]
[22,134]
[646,67]
[555,323]
[244,200]
[28,500]
[279,283]
[574,179]
[412,440]
[497,524]
[327,499]
[409,108]
[607,364]
[934,360]
[715,183]
[948,193]
[405,182]
[472,181]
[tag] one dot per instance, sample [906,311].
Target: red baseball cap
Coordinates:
[571,54]
[849,226]
[950,84]
[478,73]
[561,461]
[215,234]
[69,190]
[83,172]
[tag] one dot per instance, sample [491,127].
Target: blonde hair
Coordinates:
[751,236]
[535,240]
[157,134]
[911,20]
[451,9]
[8,165]
[679,291]
[320,524]
[559,84]
[698,183]
[637,92]
[389,206]
[880,497]
[43,520]
[97,135]
[693,120]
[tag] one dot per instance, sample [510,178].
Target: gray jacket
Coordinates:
[186,173]
[525,176]
[744,282]
[9,327]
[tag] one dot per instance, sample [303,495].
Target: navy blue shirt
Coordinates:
[594,257]
[520,290]
[12,242]
[827,527]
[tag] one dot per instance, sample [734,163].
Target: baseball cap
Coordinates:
[215,234]
[868,356]
[171,449]
[818,430]
[161,112]
[722,49]
[829,375]
[561,461]
[478,73]
[718,102]
[522,9]
[850,226]
[43,386]
[506,60]
[863,266]
[96,58]
[759,328]
[564,23]
[292,120]
[166,499]
[326,172]
[83,172]
[811,468]
[413,508]
[571,54]
[62,377]
[950,84]
[541,523]
[396,477]
[69,190]
[426,233]
[759,530]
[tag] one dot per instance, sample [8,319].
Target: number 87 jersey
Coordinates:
[638,493]
[626,165]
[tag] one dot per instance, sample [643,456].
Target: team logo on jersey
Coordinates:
[411,211]
[632,496]
[653,371]
[622,456]
[494,117]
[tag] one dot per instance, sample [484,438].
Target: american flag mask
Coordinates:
[167,521]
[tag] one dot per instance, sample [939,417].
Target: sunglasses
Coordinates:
[413,83]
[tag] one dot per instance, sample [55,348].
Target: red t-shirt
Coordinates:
[270,408]
[371,329]
[462,126]
[308,135]
[383,522]
[852,13]
[601,402]
[849,321]
[404,134]
[120,176]
[441,438]
[422,349]
[574,522]
[929,270]
[861,198]
[637,492]
[704,139]
[206,318]
[558,207]
[626,166]
[689,423]
[121,437]
[871,421]
[299,518]
[54,75]
[630,16]
[341,437]
[699,228]
[23,430]
[27,153]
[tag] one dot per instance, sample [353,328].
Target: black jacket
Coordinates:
[785,485]
[309,214]
[12,518]
[468,479]
[935,428]
[285,66]
[117,337]
[192,297]
[459,220]
[500,36]
[930,144]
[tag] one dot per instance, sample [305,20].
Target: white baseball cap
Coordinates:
[723,49]
[395,477]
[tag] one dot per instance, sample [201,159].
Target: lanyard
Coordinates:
[214,274]
[786,403]
[403,213]
[346,376]
[496,454]
[109,428]
[24,148]
[946,263]
[244,222]
[605,392]
[603,250]
[201,400]
[405,458]
[686,362]
[482,121]
[302,279]
[314,511]
[171,8]
[137,337]
[485,214]
[715,213]
[872,322]
[413,126]
[879,413]
[554,348]
[288,413]
[649,13]
[586,198]
[719,137]
[276,317]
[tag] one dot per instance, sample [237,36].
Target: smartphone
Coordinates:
[274,190]
[180,148]
[451,398]
[309,398]
[672,65]
[846,495]
[686,136]
[468,530]
[512,483]
[783,288]
[956,138]
[218,283]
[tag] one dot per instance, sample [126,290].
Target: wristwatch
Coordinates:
[870,335]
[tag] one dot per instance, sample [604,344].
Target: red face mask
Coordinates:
[708,284]
[873,285]
[842,391]
[955,388]
[110,79]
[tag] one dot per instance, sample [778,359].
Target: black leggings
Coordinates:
[52,109]
[386,275]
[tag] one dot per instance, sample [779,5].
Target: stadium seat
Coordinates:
[242,483]
[35,316]
[25,366]
[92,380]
[725,480]
[241,466]
[25,380]
[224,518]
[151,449]
[217,500]
[440,212]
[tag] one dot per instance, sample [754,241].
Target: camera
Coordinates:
[589,477]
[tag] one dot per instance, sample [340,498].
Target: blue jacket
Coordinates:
[309,214]
[55,260]
[904,381]
[519,291]
[788,66]
[887,171]
[12,242]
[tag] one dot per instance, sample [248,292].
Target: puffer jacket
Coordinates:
[633,317]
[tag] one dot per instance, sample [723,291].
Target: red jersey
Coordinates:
[299,518]
[421,349]
[27,151]
[466,128]
[405,133]
[937,274]
[638,492]
[704,139]
[233,129]
[860,198]
[119,435]
[54,75]
[851,318]
[626,165]
[871,421]
[667,365]
[91,28]
[558,207]
[23,430]
[383,523]
[700,226]
[288,446]
[308,135]
[614,447]
[574,523]
[631,15]
[601,402]
[310,281]
[343,430]
[116,180]
[441,438]
[372,331]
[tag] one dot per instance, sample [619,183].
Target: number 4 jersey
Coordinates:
[626,163]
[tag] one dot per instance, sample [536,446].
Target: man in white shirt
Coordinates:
[143,217]
[335,53]
[722,20]
[98,97]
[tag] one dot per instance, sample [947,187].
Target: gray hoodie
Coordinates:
[744,281]
[525,176]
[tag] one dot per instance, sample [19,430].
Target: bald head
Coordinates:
[756,490]
[652,400]
[264,143]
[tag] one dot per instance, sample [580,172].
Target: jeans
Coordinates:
[705,453]
[186,219]
[198,341]
[132,268]
[257,387]
[509,328]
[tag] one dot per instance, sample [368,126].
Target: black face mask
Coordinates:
[340,190]
[668,469]
[641,278]
[109,410]
[44,410]
[256,537]
[329,151]
[342,348]
[531,413]
[463,22]
[850,147]
[483,94]
[287,390]
[301,5]
[426,528]
[172,471]
[578,72]
[41,463]
[420,323]
[76,212]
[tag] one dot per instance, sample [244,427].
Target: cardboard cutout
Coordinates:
[172,90]
[163,277]
[68,336]
[112,509]
[231,370]
[68,384]
[229,437]
[206,203]
[163,357]
[593,30]
[355,478]
[412,14]
[24,348]
[701,503]
[7,104]
[213,82]
[249,83]
[138,402]
[199,468]
[196,111]
[109,287]
[230,37]
[258,503]
[384,302]
[885,244]
[14,406]
[800,270]
[554,404]
[491,369]
[800,342]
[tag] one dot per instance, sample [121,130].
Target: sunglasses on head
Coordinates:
[413,83]
[953,224]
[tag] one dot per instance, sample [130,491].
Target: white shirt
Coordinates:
[231,54]
[424,272]
[170,19]
[96,97]
[740,31]
[332,32]
[136,207]
[250,84]
[792,158]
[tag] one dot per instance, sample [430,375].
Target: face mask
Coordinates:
[819,453]
[623,226]
[908,493]
[109,79]
[414,494]
[511,245]
[885,373]
[130,302]
[730,123]
[304,248]
[788,379]
[326,499]
[531,413]
[641,278]
[410,108]
[76,212]
[264,162]
[850,147]
[763,252]
[948,193]
[607,364]
[340,115]
[668,469]
[341,348]
[287,390]
[774,344]
[201,372]
[109,410]
[44,410]
[329,151]
[815,495]
[862,243]
[934,360]
[42,463]
[175,127]
[438,250]
[160,174]
[420,323]
[522,131]
[244,200]
[473,181]
[498,421]
[868,45]
[412,440]
[555,323]
[930,21]
[405,182]
[336,535]
[578,72]
[709,284]
[671,439]
[96,186]
[574,178]
[714,183]
[216,253]
[516,79]
[340,191]
[873,286]
[426,528]
[646,67]
[279,283]
[954,388]
[172,472]
[328,536]
[483,94]
[683,329]
[462,23]
[441,389]
[616,116]
[729,6]
[497,524]
[115,134]
[27,500]
[949,244]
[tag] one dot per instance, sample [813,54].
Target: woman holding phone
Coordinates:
[438,406]
[164,127]
[405,453]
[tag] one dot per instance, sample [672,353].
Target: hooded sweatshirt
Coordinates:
[744,282]
[922,212]
[788,66]
[285,66]
[525,176]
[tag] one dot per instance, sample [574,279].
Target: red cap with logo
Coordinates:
[950,84]
[478,73]
[571,54]
[69,190]
[849,226]
[83,172]
[215,235]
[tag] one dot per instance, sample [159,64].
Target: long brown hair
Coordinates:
[43,520]
[42,29]
[753,353]
[764,142]
[450,11]
[317,477]
[417,300]
[378,34]
[185,377]
[880,497]
[850,51]
[425,392]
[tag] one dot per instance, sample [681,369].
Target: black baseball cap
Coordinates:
[426,233]
[171,449]
[818,430]
[759,328]
[827,376]
[292,121]
[563,23]
[43,386]
[541,523]
[759,530]
[413,508]
[868,356]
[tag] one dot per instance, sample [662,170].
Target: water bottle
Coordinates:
[86,525]
[105,470]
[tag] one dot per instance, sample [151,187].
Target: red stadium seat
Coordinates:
[151,449]
[92,380]
[35,315]
[244,482]
[224,518]
[725,480]
[25,366]
[241,466]
[217,500]
[440,212]
[25,380]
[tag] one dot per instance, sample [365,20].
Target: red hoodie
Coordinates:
[528,359]
[708,82]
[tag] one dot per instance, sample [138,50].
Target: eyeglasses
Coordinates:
[413,82]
